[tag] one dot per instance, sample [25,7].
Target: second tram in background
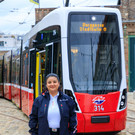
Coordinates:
[84,46]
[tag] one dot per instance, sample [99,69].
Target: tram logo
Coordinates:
[98,100]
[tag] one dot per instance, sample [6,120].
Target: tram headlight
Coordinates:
[123,97]
[123,101]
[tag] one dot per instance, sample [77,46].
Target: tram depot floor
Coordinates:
[14,122]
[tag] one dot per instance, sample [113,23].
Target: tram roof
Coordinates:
[60,17]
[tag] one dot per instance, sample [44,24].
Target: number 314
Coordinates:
[98,108]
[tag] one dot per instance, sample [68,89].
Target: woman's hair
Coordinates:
[52,75]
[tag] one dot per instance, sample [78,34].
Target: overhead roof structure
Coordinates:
[95,3]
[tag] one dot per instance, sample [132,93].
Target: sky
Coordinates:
[17,16]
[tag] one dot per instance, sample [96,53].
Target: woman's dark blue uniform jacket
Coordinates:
[38,118]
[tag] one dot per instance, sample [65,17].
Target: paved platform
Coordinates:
[130,125]
[14,122]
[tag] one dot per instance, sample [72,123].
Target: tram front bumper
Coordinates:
[101,122]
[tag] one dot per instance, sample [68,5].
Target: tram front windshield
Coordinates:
[94,53]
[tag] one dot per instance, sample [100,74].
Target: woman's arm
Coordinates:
[72,118]
[33,123]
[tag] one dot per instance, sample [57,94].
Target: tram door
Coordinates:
[40,73]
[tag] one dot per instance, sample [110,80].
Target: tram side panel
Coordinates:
[27,82]
[16,96]
[24,85]
[31,99]
[7,75]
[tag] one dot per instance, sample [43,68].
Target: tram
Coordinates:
[84,46]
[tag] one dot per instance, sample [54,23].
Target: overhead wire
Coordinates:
[9,21]
[12,28]
[23,22]
[29,13]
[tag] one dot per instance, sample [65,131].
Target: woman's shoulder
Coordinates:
[39,98]
[65,96]
[68,98]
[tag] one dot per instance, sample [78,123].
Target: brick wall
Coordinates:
[41,12]
[127,10]
[124,10]
[131,10]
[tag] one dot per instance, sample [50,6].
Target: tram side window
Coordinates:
[53,63]
[17,71]
[13,70]
[7,72]
[25,70]
[57,60]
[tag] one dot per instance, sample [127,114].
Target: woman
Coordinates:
[53,113]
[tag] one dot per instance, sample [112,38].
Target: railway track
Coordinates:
[8,107]
[2,114]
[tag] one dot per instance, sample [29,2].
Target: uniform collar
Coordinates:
[46,93]
[56,96]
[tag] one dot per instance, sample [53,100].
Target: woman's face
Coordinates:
[52,84]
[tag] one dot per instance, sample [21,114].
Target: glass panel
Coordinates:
[18,71]
[13,68]
[95,53]
[16,66]
[25,69]
[57,60]
[42,73]
[48,59]
[48,35]
[7,60]
[32,69]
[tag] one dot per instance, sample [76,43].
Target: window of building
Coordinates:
[1,43]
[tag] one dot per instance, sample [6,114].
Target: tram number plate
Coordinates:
[98,108]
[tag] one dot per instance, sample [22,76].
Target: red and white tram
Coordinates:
[84,46]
